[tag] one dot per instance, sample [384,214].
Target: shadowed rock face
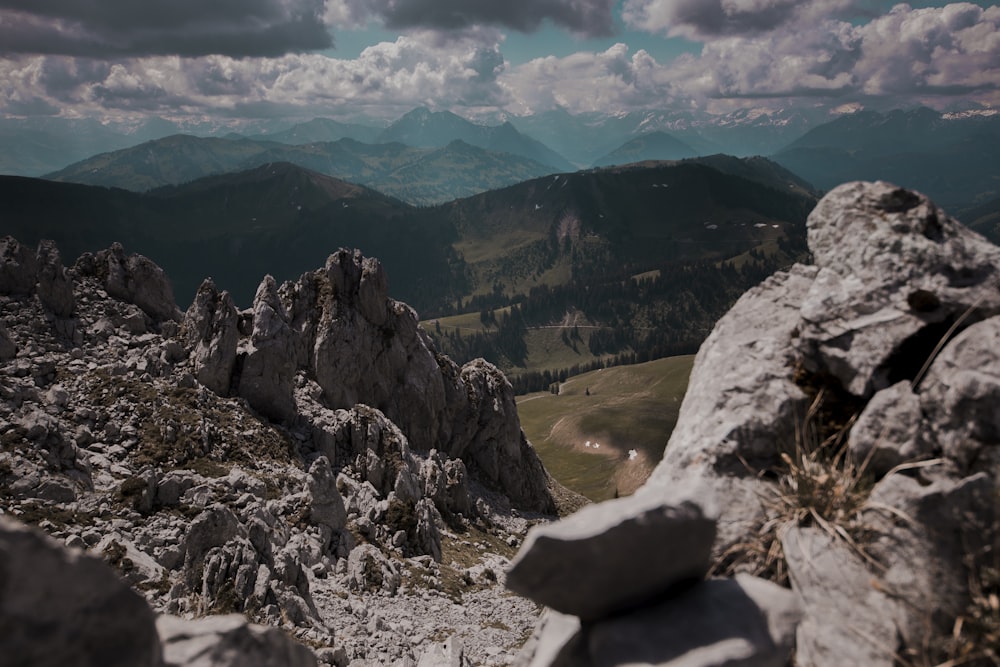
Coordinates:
[895,330]
[64,607]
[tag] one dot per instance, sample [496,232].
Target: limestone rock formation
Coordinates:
[338,328]
[55,289]
[134,279]
[210,325]
[202,459]
[268,369]
[18,267]
[841,421]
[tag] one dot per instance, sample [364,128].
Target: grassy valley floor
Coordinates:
[605,431]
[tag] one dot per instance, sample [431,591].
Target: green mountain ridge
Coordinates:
[278,219]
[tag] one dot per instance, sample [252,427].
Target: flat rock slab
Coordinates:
[228,641]
[613,556]
[848,621]
[721,622]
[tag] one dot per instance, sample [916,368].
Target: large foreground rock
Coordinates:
[888,351]
[863,334]
[613,556]
[60,608]
[743,621]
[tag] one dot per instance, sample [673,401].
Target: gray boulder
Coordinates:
[887,432]
[613,556]
[960,396]
[326,506]
[449,653]
[61,608]
[951,532]
[741,406]
[368,569]
[848,621]
[878,307]
[743,621]
[137,280]
[862,329]
[212,528]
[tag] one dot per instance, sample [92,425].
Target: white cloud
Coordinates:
[906,55]
[395,76]
[934,50]
[786,49]
[610,80]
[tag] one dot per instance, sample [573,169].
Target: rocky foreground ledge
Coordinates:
[311,463]
[837,453]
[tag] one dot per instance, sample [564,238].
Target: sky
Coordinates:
[247,60]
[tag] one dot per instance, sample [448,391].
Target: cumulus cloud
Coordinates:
[586,17]
[117,28]
[907,55]
[706,19]
[392,76]
[613,80]
[942,50]
[787,49]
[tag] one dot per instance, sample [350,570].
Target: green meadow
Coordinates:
[615,410]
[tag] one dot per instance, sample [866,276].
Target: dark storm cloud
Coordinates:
[115,28]
[706,19]
[586,17]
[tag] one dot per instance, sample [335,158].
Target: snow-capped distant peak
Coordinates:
[971,113]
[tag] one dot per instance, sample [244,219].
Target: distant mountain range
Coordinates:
[953,159]
[419,176]
[427,157]
[649,146]
[35,146]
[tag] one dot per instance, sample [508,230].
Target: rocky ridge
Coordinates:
[840,437]
[311,462]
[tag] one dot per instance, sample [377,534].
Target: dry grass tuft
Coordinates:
[818,483]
